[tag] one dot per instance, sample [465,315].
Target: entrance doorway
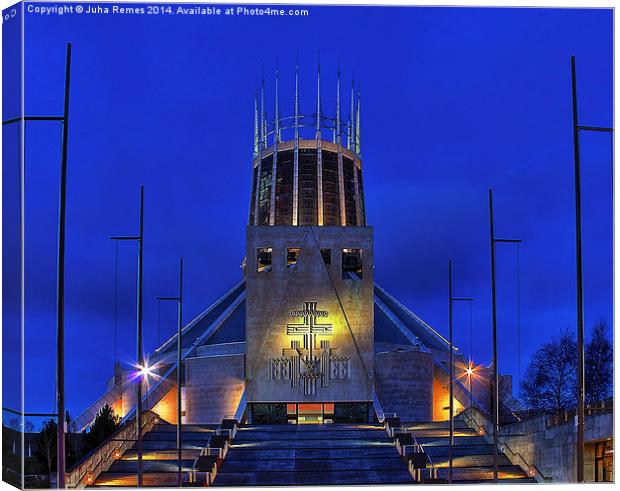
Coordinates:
[310,413]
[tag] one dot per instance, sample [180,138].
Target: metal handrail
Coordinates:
[421,446]
[525,466]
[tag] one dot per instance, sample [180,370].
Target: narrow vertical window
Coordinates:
[292,256]
[326,254]
[263,259]
[351,264]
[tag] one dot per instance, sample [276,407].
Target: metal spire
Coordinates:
[318,98]
[277,111]
[263,133]
[297,100]
[337,136]
[350,144]
[357,125]
[256,140]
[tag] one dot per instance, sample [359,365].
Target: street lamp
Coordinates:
[452,299]
[495,379]
[179,301]
[140,356]
[581,393]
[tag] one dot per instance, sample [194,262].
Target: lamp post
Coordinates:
[495,379]
[179,301]
[452,299]
[60,271]
[139,355]
[581,392]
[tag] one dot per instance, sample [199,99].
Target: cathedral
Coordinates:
[307,335]
[306,339]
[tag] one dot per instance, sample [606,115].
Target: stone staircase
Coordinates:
[472,460]
[159,457]
[328,454]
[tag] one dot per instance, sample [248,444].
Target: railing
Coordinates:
[416,473]
[590,410]
[86,471]
[484,427]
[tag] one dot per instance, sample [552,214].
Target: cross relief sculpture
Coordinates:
[305,363]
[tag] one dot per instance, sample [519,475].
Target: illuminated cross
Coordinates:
[308,354]
[309,328]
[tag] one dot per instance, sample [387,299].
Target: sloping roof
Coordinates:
[394,324]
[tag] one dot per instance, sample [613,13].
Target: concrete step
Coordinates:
[520,480]
[312,428]
[170,428]
[312,443]
[123,479]
[443,450]
[171,444]
[172,437]
[443,433]
[312,478]
[149,466]
[261,435]
[330,454]
[434,425]
[437,441]
[161,454]
[483,473]
[469,460]
[252,453]
[318,465]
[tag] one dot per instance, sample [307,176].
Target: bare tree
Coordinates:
[45,449]
[551,376]
[599,370]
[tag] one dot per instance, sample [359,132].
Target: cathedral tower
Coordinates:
[309,266]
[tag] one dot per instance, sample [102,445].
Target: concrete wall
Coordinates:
[213,388]
[441,401]
[166,408]
[404,383]
[271,296]
[552,448]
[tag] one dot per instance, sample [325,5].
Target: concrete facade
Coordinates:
[551,448]
[404,383]
[273,295]
[214,386]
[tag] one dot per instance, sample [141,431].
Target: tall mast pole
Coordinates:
[452,299]
[180,373]
[451,371]
[581,393]
[140,354]
[579,277]
[494,396]
[60,281]
[494,384]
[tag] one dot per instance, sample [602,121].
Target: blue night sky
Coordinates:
[454,101]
